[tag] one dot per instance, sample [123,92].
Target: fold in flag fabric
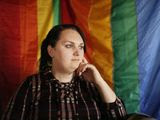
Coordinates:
[122,39]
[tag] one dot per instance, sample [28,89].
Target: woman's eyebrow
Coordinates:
[69,42]
[73,42]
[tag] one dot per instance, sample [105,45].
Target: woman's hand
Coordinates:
[88,71]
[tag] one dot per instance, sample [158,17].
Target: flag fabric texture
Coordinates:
[122,39]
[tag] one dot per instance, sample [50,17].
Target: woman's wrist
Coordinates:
[106,92]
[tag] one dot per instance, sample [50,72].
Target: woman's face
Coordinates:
[68,52]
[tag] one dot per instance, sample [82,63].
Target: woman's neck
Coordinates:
[62,76]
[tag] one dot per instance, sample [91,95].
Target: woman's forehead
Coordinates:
[70,35]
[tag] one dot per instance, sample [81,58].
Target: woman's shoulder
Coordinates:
[32,76]
[29,80]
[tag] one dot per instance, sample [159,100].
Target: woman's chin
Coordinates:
[73,69]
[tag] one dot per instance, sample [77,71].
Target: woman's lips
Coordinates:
[75,59]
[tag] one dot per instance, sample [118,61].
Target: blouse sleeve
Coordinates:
[114,111]
[19,105]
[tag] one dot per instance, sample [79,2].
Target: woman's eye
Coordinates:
[81,47]
[68,46]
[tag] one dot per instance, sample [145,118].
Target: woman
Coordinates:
[67,87]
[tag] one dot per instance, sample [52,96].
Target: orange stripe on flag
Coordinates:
[101,39]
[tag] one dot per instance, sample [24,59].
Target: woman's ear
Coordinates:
[50,50]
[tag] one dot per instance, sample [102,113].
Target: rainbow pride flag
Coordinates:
[122,39]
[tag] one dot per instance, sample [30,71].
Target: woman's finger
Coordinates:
[84,68]
[84,60]
[81,68]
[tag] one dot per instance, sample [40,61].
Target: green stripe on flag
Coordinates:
[56,12]
[124,36]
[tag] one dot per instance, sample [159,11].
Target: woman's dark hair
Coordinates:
[51,39]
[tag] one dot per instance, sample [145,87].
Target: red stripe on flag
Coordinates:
[9,48]
[29,38]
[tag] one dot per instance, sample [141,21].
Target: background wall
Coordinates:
[122,39]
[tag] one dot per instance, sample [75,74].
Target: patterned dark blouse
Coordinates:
[42,97]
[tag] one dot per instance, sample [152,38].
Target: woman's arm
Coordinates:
[112,105]
[105,91]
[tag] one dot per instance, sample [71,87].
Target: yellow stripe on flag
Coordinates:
[45,20]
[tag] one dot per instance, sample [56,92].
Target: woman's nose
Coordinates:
[76,52]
